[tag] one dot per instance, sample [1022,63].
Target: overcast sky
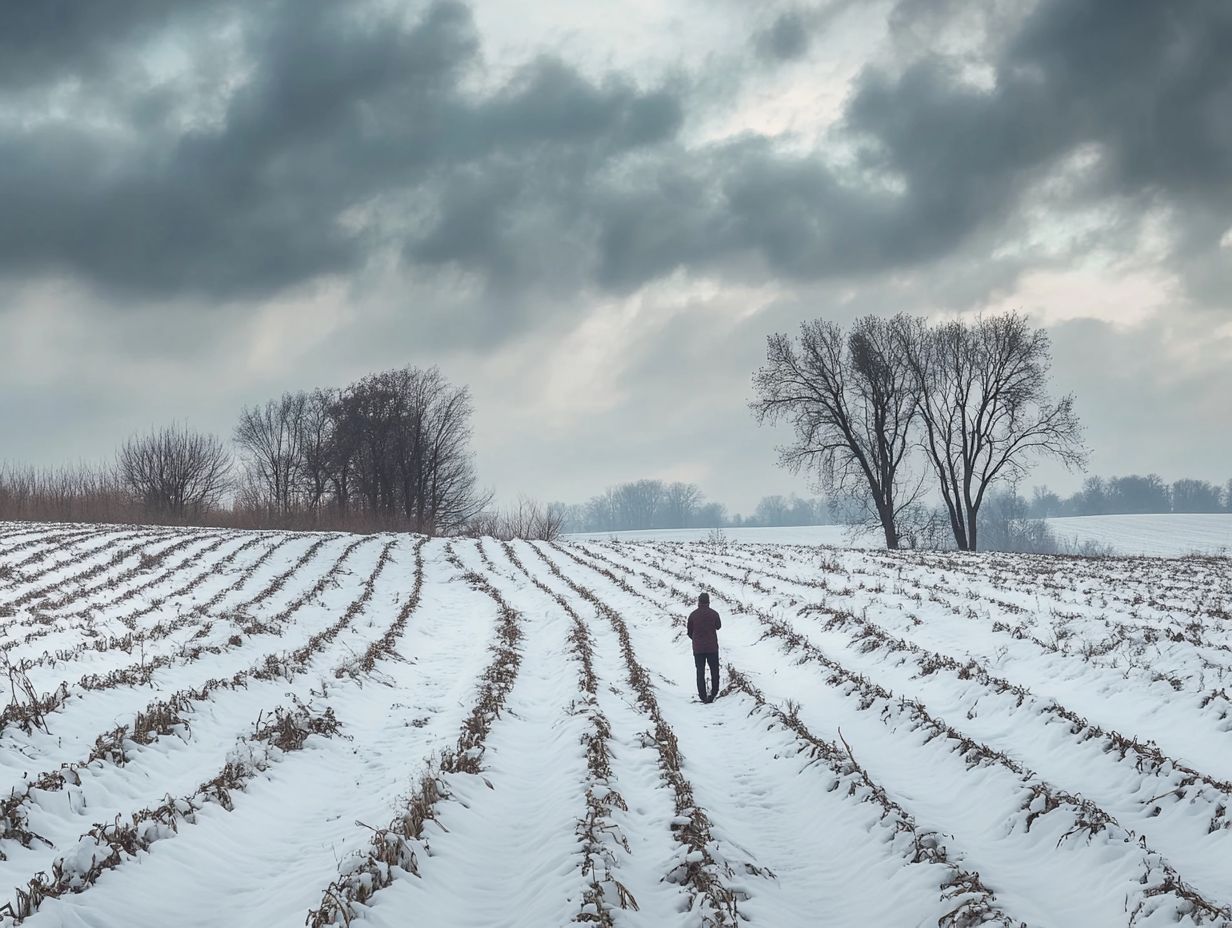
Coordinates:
[594,213]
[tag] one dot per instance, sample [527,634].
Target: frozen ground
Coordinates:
[206,728]
[1153,535]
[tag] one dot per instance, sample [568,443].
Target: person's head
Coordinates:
[703,599]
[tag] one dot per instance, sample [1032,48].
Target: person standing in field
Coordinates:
[703,628]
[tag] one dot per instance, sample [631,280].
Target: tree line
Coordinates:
[642,505]
[1132,494]
[389,451]
[893,412]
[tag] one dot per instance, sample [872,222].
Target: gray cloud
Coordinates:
[461,210]
[1147,87]
[947,164]
[345,108]
[355,132]
[786,39]
[42,42]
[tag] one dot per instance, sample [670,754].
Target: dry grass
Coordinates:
[1147,757]
[28,709]
[1193,784]
[281,666]
[274,665]
[88,573]
[384,647]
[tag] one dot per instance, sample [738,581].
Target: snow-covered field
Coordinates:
[1153,535]
[1164,535]
[262,729]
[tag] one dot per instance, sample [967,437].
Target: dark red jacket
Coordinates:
[703,627]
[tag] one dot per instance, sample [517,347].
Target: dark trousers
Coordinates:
[701,660]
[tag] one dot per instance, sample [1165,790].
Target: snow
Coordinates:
[1150,535]
[1159,535]
[903,738]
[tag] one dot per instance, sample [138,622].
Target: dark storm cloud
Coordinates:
[54,40]
[1146,86]
[354,133]
[786,39]
[946,163]
[345,109]
[789,36]
[738,200]
[535,154]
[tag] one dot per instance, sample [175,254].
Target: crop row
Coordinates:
[107,846]
[393,848]
[1159,878]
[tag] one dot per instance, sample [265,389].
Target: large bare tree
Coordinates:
[981,390]
[400,451]
[177,474]
[849,397]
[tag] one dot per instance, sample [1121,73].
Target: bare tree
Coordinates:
[526,519]
[850,399]
[270,437]
[638,504]
[400,451]
[600,513]
[981,394]
[317,449]
[176,473]
[771,510]
[680,504]
[1189,495]
[711,515]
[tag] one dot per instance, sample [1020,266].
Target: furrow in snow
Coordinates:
[628,845]
[265,863]
[1154,715]
[370,882]
[93,711]
[108,846]
[823,858]
[101,631]
[170,734]
[1135,873]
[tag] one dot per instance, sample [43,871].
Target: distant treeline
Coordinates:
[1101,496]
[389,451]
[641,505]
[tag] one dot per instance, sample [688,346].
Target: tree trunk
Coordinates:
[891,534]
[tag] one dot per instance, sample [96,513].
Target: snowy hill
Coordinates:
[257,729]
[1163,535]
